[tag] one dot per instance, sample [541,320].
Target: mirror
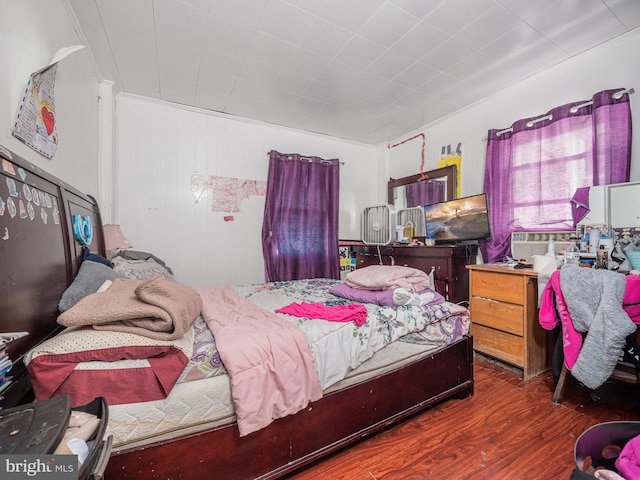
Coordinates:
[439,185]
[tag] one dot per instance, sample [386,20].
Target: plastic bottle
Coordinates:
[551,249]
[572,254]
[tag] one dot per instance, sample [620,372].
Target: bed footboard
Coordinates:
[335,421]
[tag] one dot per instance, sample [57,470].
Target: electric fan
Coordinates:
[378,225]
[413,216]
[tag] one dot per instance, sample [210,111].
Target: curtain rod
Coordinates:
[308,159]
[616,95]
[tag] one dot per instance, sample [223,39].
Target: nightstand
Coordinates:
[504,317]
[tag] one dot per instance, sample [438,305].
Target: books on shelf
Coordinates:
[8,337]
[5,362]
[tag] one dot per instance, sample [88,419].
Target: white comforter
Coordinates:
[339,347]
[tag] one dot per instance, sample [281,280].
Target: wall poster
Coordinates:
[447,157]
[35,123]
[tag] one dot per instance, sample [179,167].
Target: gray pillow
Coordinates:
[139,269]
[88,280]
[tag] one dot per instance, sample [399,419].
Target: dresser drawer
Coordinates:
[425,264]
[501,345]
[498,286]
[502,316]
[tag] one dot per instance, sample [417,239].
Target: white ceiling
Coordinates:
[365,70]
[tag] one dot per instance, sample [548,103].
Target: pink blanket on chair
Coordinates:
[268,359]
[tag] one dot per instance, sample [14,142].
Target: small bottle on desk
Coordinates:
[572,254]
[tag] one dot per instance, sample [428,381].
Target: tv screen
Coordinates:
[460,220]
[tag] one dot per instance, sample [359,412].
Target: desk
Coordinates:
[504,317]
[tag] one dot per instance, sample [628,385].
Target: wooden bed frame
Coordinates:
[40,260]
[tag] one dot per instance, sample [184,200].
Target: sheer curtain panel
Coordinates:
[534,168]
[300,227]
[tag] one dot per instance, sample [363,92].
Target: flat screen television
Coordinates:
[460,220]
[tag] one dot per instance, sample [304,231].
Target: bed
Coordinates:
[404,360]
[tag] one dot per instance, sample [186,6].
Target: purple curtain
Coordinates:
[534,168]
[425,193]
[300,227]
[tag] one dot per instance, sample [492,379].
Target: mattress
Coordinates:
[202,400]
[203,404]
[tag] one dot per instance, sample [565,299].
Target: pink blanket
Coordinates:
[386,277]
[268,359]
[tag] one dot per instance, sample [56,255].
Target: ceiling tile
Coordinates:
[88,15]
[213,79]
[472,65]
[390,64]
[220,60]
[179,20]
[338,75]
[256,71]
[360,52]
[293,82]
[416,74]
[627,11]
[266,48]
[564,14]
[226,36]
[325,38]
[243,14]
[447,54]
[390,92]
[306,63]
[283,20]
[526,9]
[599,27]
[319,91]
[453,15]
[351,15]
[312,6]
[419,8]
[366,83]
[388,24]
[517,41]
[420,40]
[488,27]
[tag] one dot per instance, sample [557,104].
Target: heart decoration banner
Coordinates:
[35,123]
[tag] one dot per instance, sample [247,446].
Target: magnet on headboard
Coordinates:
[83,229]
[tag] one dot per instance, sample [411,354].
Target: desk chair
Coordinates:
[625,370]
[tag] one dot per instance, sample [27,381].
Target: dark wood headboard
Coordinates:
[39,257]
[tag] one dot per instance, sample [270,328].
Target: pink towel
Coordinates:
[338,313]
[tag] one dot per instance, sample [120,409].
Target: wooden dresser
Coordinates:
[504,317]
[449,262]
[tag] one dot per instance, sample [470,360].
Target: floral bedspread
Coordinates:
[337,347]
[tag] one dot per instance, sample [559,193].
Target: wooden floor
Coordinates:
[509,429]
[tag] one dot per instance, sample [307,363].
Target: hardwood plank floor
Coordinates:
[509,429]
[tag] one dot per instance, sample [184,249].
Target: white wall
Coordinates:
[31,31]
[611,65]
[160,145]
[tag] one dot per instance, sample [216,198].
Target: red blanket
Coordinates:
[268,359]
